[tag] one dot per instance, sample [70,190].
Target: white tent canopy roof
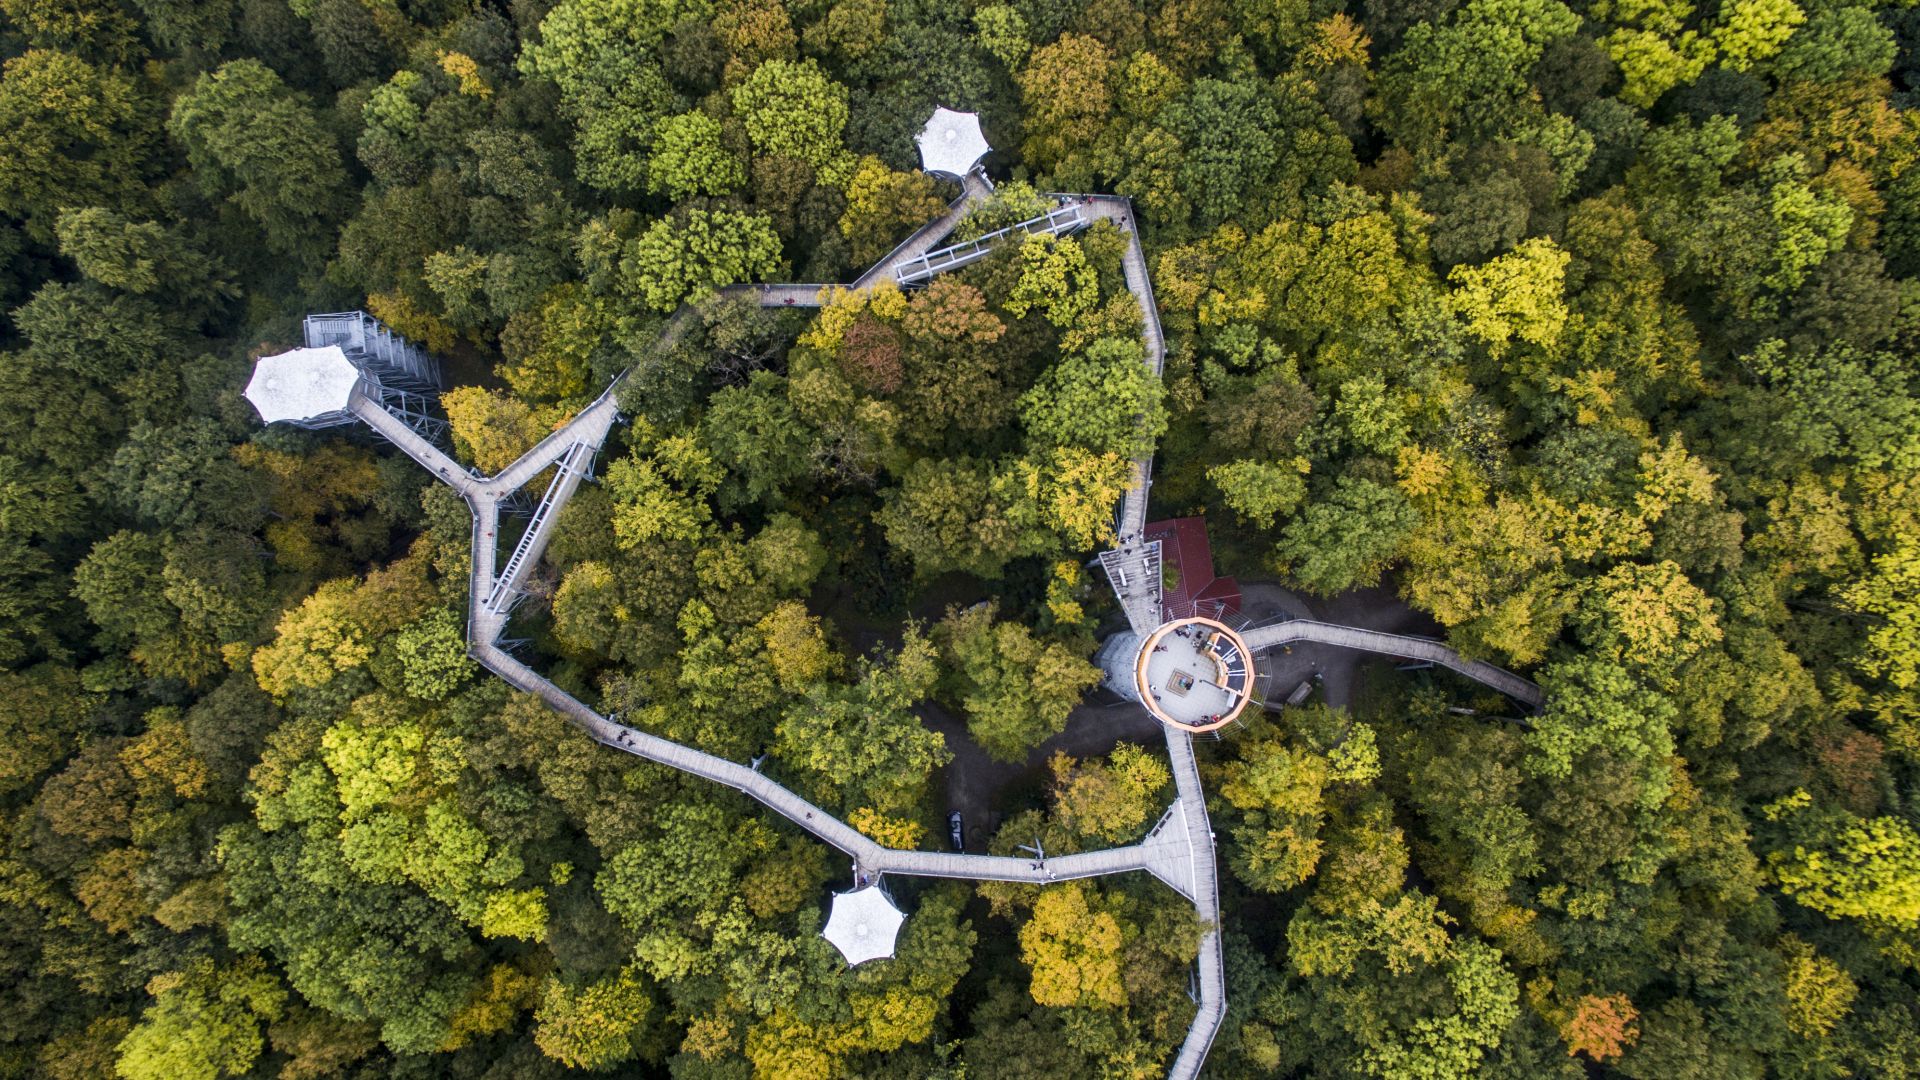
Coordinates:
[302,383]
[863,925]
[951,143]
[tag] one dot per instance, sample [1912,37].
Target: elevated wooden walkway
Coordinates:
[924,268]
[1179,849]
[1406,645]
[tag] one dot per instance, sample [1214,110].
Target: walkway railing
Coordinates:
[974,187]
[1055,222]
[565,478]
[1379,641]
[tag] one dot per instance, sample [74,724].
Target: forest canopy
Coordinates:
[1582,335]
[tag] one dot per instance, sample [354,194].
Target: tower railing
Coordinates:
[374,347]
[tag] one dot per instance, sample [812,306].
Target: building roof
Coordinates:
[863,925]
[1185,547]
[951,144]
[302,383]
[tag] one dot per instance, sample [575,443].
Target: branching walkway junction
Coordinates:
[1178,851]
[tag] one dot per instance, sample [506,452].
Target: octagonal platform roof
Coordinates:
[863,925]
[302,384]
[951,144]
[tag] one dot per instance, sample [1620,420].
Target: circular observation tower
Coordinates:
[1193,674]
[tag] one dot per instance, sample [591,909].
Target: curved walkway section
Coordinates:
[1407,645]
[1159,855]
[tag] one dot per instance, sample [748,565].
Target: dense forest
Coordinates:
[1587,330]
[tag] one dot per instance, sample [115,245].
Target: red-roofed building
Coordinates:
[1192,589]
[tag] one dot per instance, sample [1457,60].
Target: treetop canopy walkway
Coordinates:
[1178,850]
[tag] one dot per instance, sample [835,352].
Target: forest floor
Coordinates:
[986,791]
[1376,608]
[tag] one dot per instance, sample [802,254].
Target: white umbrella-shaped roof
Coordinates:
[302,383]
[863,925]
[951,143]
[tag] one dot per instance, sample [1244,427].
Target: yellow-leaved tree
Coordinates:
[1073,949]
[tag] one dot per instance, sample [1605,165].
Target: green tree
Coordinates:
[1346,538]
[1652,63]
[1839,41]
[433,656]
[1650,618]
[945,516]
[1890,591]
[75,26]
[684,257]
[183,475]
[594,1026]
[754,431]
[1807,225]
[71,134]
[42,711]
[1017,688]
[794,110]
[1867,869]
[1276,793]
[258,144]
[1470,72]
[1002,31]
[648,508]
[1056,278]
[1752,31]
[1518,294]
[1073,949]
[884,206]
[861,745]
[1228,129]
[1109,801]
[204,1022]
[1105,400]
[184,25]
[851,31]
[690,158]
[1259,491]
[548,350]
[1067,88]
[604,57]
[1595,704]
[1069,491]
[141,257]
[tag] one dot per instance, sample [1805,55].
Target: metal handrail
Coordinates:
[506,583]
[1061,219]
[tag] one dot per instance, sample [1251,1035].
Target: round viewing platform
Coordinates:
[1194,674]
